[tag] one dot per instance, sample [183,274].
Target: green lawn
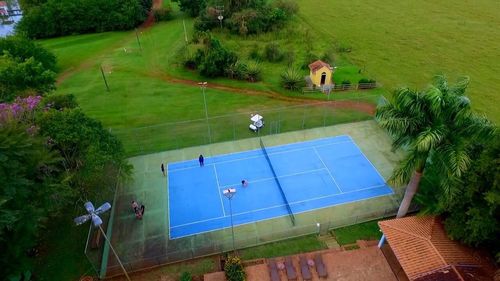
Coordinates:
[363,231]
[284,248]
[407,42]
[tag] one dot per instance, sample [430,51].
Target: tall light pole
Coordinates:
[97,221]
[229,193]
[203,86]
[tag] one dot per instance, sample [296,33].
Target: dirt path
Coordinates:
[342,104]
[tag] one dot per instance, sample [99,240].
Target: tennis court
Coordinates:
[282,181]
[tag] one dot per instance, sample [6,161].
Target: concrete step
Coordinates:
[329,241]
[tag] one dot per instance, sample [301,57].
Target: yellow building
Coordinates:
[320,73]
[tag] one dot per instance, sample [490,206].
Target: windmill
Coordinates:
[93,215]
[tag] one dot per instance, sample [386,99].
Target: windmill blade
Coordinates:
[96,220]
[89,207]
[82,219]
[104,207]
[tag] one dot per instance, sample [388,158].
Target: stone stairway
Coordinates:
[329,241]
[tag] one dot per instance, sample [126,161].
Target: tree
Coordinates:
[64,17]
[477,223]
[214,59]
[92,156]
[19,77]
[192,7]
[32,186]
[23,49]
[436,125]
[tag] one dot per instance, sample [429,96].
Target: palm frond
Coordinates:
[414,161]
[429,138]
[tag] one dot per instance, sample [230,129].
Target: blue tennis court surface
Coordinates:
[313,174]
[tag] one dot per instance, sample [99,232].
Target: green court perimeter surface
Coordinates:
[144,243]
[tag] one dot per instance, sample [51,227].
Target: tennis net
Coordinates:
[292,217]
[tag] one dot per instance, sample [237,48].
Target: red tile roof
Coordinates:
[317,65]
[423,248]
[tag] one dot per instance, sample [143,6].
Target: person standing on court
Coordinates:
[201,160]
[162,169]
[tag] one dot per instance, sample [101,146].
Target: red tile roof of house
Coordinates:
[424,250]
[317,65]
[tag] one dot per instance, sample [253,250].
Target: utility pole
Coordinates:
[138,41]
[104,78]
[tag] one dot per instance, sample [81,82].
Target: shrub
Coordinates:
[346,84]
[237,70]
[365,83]
[253,72]
[186,276]
[291,79]
[59,102]
[290,7]
[65,17]
[215,59]
[272,52]
[255,53]
[163,14]
[234,269]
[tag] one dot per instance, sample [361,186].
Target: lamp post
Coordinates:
[229,193]
[97,222]
[203,86]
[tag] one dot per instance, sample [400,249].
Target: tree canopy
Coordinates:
[437,126]
[51,155]
[473,214]
[25,68]
[52,18]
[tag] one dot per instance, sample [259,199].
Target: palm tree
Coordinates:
[436,125]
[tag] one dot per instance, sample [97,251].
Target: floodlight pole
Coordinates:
[229,193]
[93,214]
[203,86]
[114,252]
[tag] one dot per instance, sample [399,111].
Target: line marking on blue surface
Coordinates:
[257,156]
[279,177]
[283,205]
[376,170]
[218,190]
[343,203]
[168,202]
[321,159]
[195,222]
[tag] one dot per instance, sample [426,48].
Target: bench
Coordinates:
[320,266]
[290,269]
[304,269]
[273,270]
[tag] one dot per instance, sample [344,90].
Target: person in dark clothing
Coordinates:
[201,160]
[162,169]
[135,206]
[143,208]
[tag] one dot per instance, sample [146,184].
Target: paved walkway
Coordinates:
[357,265]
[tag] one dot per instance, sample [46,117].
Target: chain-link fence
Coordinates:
[209,244]
[175,135]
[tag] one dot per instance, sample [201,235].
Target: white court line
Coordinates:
[321,159]
[168,202]
[309,210]
[307,141]
[282,205]
[284,176]
[218,190]
[367,159]
[257,156]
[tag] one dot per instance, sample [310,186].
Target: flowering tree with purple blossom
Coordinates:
[22,109]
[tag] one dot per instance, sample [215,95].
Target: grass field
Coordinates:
[407,42]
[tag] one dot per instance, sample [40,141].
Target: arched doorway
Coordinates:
[323,78]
